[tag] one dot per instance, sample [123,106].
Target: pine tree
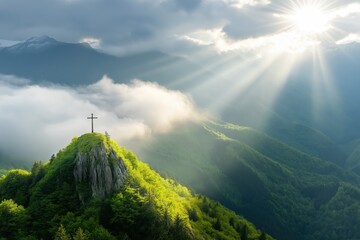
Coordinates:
[80,235]
[61,234]
[179,229]
[193,214]
[244,233]
[217,225]
[232,222]
[262,236]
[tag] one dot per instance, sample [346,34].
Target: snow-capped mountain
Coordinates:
[32,44]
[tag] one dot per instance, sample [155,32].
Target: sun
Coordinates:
[305,25]
[309,19]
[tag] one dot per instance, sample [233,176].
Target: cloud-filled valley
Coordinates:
[40,120]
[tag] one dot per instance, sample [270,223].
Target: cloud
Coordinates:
[243,3]
[347,10]
[36,121]
[93,42]
[188,5]
[275,31]
[123,26]
[288,41]
[351,38]
[130,26]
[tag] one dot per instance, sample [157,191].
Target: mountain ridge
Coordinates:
[32,44]
[281,189]
[78,63]
[145,206]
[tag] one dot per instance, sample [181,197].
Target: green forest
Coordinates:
[47,202]
[289,193]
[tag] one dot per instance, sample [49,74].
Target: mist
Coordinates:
[37,121]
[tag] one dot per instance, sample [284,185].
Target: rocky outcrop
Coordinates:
[101,172]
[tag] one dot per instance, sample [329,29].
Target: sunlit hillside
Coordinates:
[51,200]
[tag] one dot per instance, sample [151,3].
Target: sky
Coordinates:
[240,31]
[184,26]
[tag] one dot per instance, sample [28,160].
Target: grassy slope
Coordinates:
[279,188]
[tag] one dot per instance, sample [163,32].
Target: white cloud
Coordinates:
[93,42]
[243,3]
[37,121]
[347,10]
[158,106]
[289,38]
[288,41]
[206,37]
[351,38]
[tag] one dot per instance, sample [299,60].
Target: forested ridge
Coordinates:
[45,203]
[289,193]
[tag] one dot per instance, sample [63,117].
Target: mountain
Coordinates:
[44,59]
[289,193]
[32,44]
[293,133]
[95,188]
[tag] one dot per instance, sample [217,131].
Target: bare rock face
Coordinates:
[100,171]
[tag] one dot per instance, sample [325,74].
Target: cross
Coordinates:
[92,122]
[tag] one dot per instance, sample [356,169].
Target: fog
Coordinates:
[37,121]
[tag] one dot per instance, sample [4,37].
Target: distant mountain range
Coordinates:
[44,59]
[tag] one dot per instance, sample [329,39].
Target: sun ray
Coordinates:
[305,27]
[325,96]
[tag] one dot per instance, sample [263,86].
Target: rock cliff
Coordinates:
[99,170]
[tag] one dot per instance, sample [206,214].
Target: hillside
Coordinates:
[295,134]
[96,188]
[285,191]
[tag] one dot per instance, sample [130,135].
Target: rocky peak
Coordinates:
[99,171]
[33,43]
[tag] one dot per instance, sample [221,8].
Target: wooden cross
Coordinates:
[92,122]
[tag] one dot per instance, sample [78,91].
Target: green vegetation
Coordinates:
[13,219]
[44,203]
[353,161]
[285,191]
[3,172]
[295,134]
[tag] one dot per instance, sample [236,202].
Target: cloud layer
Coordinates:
[139,25]
[37,121]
